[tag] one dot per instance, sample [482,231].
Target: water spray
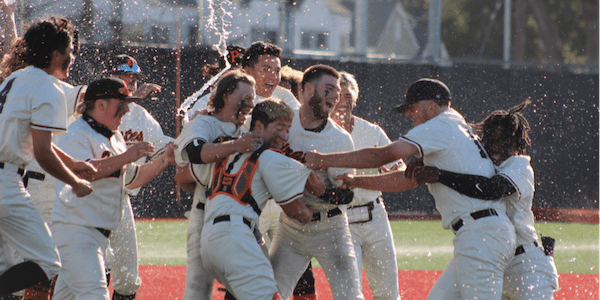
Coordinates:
[216,21]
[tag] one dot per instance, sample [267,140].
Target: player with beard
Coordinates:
[204,140]
[81,227]
[327,236]
[32,107]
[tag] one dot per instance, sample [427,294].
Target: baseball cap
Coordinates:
[235,54]
[110,87]
[124,64]
[424,89]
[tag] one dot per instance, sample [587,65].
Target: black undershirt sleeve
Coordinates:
[476,186]
[337,195]
[194,151]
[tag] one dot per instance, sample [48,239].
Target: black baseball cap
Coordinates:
[106,88]
[124,64]
[424,89]
[235,53]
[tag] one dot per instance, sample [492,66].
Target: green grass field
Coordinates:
[420,245]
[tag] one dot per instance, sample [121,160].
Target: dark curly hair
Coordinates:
[509,126]
[45,36]
[257,49]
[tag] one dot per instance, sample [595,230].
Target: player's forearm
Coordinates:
[359,159]
[215,152]
[475,186]
[149,171]
[298,211]
[63,156]
[108,166]
[49,160]
[388,182]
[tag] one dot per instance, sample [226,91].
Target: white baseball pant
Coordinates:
[198,283]
[124,260]
[482,250]
[21,225]
[329,241]
[530,275]
[233,256]
[375,252]
[82,275]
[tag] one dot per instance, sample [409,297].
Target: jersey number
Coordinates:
[4,93]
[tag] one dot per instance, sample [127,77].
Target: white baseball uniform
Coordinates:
[29,98]
[369,224]
[81,226]
[531,274]
[138,125]
[230,249]
[40,184]
[328,239]
[485,239]
[198,283]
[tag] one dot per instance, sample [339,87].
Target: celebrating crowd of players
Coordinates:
[272,172]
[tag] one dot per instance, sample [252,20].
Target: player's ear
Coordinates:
[259,126]
[309,89]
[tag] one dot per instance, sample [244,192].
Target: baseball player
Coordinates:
[532,272]
[138,125]
[369,224]
[32,107]
[291,79]
[239,189]
[204,140]
[485,237]
[327,237]
[81,227]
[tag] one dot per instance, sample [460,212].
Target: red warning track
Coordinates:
[168,282]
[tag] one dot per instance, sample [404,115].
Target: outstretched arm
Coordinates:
[150,170]
[388,182]
[204,153]
[475,186]
[362,159]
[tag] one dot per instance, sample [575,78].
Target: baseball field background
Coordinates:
[423,251]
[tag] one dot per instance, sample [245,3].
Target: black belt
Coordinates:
[105,232]
[200,206]
[317,215]
[20,171]
[35,175]
[521,249]
[255,231]
[476,215]
[370,205]
[228,218]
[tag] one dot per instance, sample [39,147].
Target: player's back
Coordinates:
[29,98]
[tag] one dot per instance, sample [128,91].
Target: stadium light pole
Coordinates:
[360,28]
[507,33]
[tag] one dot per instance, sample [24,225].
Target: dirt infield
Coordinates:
[168,282]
